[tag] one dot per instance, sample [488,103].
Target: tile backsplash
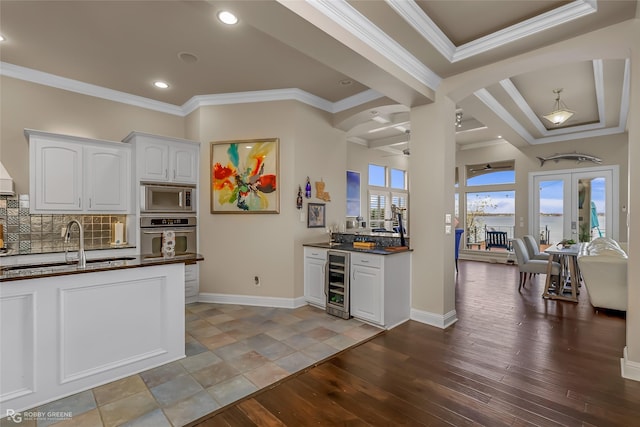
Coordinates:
[27,233]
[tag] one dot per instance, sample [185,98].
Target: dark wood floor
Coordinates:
[512,359]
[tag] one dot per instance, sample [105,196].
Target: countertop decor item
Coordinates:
[244,176]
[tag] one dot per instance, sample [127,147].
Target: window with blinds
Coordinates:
[387,192]
[377,209]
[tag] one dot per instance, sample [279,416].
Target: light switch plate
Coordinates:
[447,229]
[447,218]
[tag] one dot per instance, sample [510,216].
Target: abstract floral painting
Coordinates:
[244,176]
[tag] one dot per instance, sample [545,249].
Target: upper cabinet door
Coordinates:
[107,179]
[153,161]
[184,161]
[56,176]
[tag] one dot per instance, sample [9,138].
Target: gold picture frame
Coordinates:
[244,176]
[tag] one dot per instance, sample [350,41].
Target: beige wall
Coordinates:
[32,106]
[238,247]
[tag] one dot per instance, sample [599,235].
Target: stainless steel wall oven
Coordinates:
[152,230]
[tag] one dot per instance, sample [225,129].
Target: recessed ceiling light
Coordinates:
[346,82]
[227,17]
[161,85]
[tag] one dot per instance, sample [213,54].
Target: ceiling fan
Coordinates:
[488,167]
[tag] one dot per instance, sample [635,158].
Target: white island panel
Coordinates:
[85,330]
[17,370]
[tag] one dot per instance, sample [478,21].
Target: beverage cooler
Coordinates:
[337,284]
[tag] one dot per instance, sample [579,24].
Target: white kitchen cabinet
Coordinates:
[107,180]
[315,260]
[380,288]
[78,175]
[163,159]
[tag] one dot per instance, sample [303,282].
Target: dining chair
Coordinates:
[528,266]
[533,249]
[459,232]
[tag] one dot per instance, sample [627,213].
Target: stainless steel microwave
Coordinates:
[158,198]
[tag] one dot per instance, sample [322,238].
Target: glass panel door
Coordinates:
[576,205]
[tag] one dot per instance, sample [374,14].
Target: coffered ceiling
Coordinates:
[366,61]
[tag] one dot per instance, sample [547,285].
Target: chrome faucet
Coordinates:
[82,259]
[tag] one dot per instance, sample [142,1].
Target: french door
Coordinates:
[578,204]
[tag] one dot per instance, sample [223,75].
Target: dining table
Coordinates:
[565,287]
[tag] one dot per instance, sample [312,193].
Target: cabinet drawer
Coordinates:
[366,260]
[316,253]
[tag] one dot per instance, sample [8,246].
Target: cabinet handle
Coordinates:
[166,173]
[89,202]
[79,202]
[174,174]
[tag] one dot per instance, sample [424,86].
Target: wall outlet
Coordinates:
[256,280]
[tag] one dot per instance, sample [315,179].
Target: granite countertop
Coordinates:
[51,269]
[378,250]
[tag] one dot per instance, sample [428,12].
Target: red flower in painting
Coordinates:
[266,183]
[222,175]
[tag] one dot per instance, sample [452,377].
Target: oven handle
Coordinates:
[160,230]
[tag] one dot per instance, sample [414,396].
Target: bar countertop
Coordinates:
[377,250]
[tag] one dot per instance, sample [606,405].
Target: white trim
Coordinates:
[51,80]
[351,20]
[442,321]
[252,300]
[290,94]
[420,22]
[629,369]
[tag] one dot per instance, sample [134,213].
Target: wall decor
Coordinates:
[244,176]
[307,189]
[315,215]
[299,198]
[353,193]
[320,193]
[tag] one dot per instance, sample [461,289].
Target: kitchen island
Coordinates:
[66,329]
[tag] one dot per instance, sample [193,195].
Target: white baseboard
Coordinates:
[630,369]
[252,300]
[442,321]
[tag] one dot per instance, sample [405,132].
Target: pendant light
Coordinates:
[561,113]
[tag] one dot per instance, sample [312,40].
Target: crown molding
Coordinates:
[348,18]
[418,19]
[51,80]
[291,94]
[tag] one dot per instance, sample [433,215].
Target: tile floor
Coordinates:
[232,351]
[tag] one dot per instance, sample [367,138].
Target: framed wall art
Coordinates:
[315,215]
[244,176]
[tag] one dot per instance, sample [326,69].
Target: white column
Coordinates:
[432,166]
